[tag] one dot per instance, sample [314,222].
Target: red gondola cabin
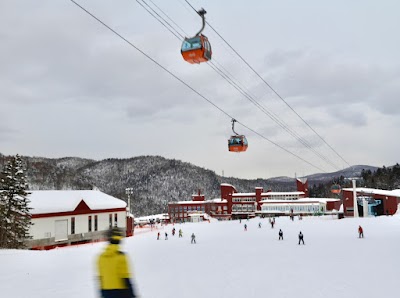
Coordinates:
[196,50]
[237,143]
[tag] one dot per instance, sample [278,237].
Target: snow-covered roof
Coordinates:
[323,199]
[217,200]
[230,185]
[149,217]
[273,193]
[54,201]
[187,202]
[244,194]
[264,194]
[195,214]
[303,200]
[393,193]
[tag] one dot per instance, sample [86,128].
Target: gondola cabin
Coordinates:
[336,189]
[238,144]
[196,50]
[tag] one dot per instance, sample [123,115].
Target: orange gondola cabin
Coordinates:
[196,50]
[238,143]
[336,189]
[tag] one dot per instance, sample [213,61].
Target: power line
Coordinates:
[273,90]
[188,86]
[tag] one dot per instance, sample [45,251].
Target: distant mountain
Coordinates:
[348,173]
[155,180]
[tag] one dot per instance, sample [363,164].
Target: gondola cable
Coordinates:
[274,91]
[190,87]
[246,94]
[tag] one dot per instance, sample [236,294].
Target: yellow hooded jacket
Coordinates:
[113,268]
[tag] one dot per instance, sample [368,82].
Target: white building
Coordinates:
[299,206]
[64,217]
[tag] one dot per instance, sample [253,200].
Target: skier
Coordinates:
[301,238]
[173,232]
[193,238]
[259,225]
[180,233]
[245,227]
[360,232]
[166,236]
[113,269]
[272,223]
[158,236]
[280,234]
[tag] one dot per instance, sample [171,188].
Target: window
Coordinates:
[110,220]
[89,223]
[72,225]
[191,44]
[116,219]
[95,222]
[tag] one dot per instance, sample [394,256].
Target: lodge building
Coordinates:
[234,205]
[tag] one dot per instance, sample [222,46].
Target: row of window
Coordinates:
[213,208]
[283,197]
[243,199]
[185,215]
[95,227]
[243,208]
[188,208]
[299,208]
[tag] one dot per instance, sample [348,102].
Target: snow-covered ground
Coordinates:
[227,262]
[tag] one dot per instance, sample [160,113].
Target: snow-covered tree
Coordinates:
[15,217]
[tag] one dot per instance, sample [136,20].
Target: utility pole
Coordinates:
[355,205]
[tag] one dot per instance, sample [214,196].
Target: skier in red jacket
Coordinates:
[360,232]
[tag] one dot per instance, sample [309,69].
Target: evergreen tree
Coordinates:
[15,217]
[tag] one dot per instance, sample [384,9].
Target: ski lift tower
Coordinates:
[129,192]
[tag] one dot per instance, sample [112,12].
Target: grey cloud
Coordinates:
[8,134]
[310,79]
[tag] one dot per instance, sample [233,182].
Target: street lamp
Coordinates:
[129,192]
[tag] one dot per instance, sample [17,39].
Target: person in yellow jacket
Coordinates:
[113,269]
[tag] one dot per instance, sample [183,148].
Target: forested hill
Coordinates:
[155,180]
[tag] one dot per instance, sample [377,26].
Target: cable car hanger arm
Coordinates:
[201,13]
[233,126]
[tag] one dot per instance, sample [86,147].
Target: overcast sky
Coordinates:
[70,87]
